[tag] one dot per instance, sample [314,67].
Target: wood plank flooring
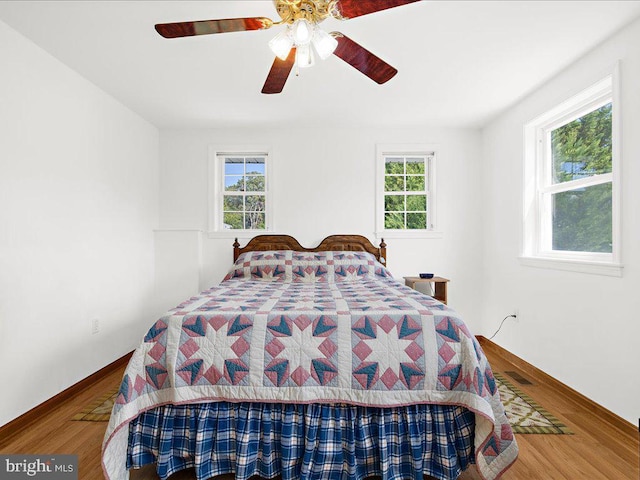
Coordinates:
[600,449]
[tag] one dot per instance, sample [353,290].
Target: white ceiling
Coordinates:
[459,62]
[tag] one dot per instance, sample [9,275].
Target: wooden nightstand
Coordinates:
[439,286]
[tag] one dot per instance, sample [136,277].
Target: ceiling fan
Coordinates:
[293,46]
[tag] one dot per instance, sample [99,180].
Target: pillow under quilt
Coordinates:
[290,266]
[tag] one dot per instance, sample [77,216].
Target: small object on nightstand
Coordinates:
[426,275]
[439,283]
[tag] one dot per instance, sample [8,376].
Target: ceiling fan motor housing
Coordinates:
[313,11]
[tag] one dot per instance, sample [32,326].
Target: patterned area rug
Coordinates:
[525,415]
[98,410]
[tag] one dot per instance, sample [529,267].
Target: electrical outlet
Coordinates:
[95,326]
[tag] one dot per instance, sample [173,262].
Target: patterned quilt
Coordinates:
[312,327]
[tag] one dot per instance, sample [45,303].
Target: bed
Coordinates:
[309,363]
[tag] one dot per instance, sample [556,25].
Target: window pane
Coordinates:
[582,148]
[394,184]
[394,165]
[255,166]
[394,221]
[233,221]
[232,203]
[415,184]
[415,165]
[255,184]
[394,203]
[233,183]
[254,221]
[255,203]
[582,220]
[416,220]
[417,203]
[233,167]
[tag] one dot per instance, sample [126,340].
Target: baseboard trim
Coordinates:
[563,389]
[26,419]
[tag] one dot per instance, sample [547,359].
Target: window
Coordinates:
[240,191]
[406,200]
[570,181]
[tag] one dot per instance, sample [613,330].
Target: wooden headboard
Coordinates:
[332,243]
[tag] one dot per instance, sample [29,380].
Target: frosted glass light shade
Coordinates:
[302,32]
[281,44]
[324,43]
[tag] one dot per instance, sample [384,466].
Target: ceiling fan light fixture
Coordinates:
[281,44]
[304,56]
[302,32]
[324,43]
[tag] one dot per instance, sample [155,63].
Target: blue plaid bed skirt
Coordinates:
[304,442]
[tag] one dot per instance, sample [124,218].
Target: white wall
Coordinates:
[582,329]
[178,262]
[324,183]
[78,203]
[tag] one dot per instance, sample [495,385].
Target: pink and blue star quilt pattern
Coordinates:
[292,327]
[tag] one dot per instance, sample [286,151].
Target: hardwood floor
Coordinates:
[601,448]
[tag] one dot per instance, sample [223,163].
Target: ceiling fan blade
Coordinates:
[279,73]
[362,59]
[206,27]
[356,8]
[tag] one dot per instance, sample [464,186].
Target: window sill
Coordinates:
[409,234]
[579,266]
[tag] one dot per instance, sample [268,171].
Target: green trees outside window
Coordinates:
[244,198]
[582,217]
[405,193]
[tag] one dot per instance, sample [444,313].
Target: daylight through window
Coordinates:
[571,195]
[579,191]
[406,192]
[244,193]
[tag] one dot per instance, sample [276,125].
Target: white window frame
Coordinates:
[538,188]
[217,153]
[405,150]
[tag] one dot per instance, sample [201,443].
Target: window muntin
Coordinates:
[244,191]
[406,193]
